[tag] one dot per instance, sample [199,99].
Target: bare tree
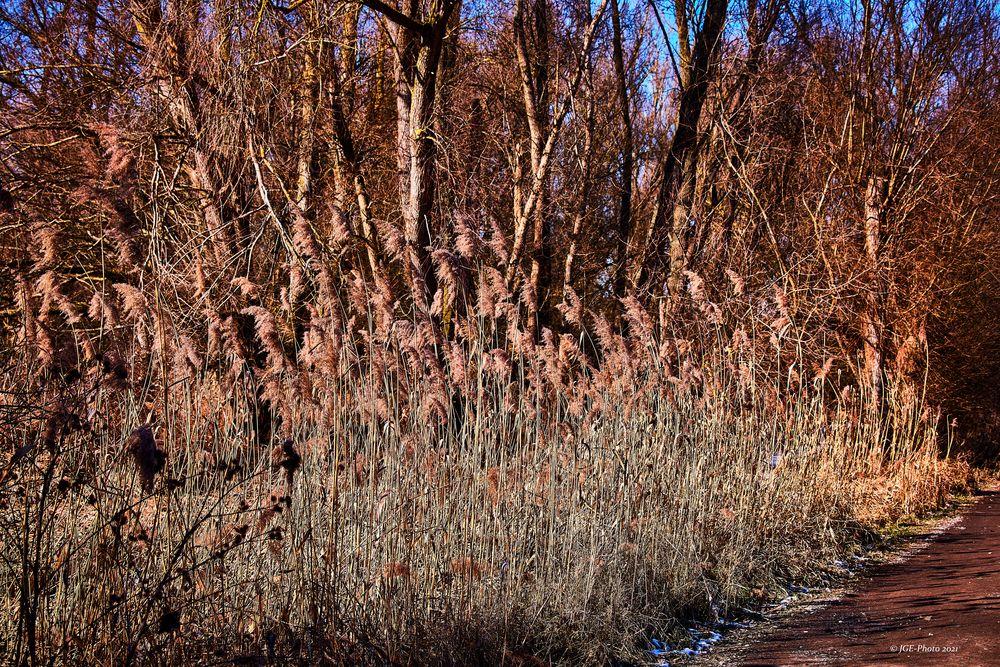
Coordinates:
[418,38]
[544,129]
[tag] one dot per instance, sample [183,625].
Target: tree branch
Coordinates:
[398,17]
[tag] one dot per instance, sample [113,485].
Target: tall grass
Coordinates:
[505,524]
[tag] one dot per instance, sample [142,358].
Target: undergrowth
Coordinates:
[510,524]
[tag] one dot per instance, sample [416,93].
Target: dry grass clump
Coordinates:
[538,511]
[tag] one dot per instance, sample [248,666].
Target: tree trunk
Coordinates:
[418,45]
[677,173]
[628,152]
[543,132]
[873,317]
[341,88]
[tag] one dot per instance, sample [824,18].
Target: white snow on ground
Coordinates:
[703,640]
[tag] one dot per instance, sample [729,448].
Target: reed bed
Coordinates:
[509,525]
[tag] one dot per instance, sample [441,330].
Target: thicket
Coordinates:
[445,333]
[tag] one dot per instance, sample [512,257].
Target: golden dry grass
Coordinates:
[570,527]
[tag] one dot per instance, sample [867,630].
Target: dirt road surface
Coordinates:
[940,605]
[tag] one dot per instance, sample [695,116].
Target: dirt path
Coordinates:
[938,606]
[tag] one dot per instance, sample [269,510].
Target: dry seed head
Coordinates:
[572,307]
[303,238]
[467,240]
[49,245]
[120,158]
[467,567]
[286,457]
[395,243]
[493,484]
[149,459]
[696,287]
[267,332]
[528,295]
[395,570]
[246,287]
[824,371]
[739,285]
[51,292]
[341,230]
[498,242]
[133,301]
[102,310]
[638,319]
